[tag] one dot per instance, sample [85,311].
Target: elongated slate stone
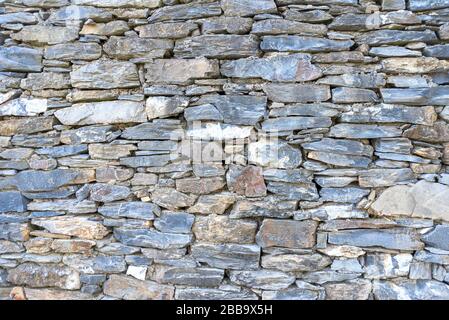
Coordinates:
[290,93]
[125,48]
[80,227]
[262,279]
[217,46]
[198,277]
[42,35]
[62,151]
[132,210]
[400,145]
[362,80]
[63,205]
[396,37]
[362,131]
[353,95]
[20,59]
[423,5]
[145,161]
[18,17]
[150,238]
[390,239]
[245,8]
[282,26]
[312,110]
[107,112]
[224,24]
[105,74]
[295,262]
[129,288]
[414,65]
[95,265]
[339,146]
[227,256]
[23,107]
[295,67]
[213,294]
[394,51]
[340,159]
[73,51]
[295,123]
[404,289]
[237,109]
[219,132]
[32,181]
[375,178]
[270,208]
[388,113]
[39,276]
[172,30]
[156,130]
[79,13]
[102,192]
[294,191]
[89,134]
[119,3]
[186,12]
[350,22]
[417,96]
[343,195]
[303,44]
[113,28]
[181,71]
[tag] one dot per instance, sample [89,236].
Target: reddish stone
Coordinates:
[251,183]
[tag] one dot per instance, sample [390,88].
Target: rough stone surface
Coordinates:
[127,288]
[36,276]
[289,234]
[224,149]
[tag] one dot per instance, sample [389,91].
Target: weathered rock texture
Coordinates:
[224,149]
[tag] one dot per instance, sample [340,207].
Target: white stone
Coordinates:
[137,272]
[107,112]
[422,200]
[23,107]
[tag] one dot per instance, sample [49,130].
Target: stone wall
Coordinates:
[233,149]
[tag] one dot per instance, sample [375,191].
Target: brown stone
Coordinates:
[358,289]
[40,276]
[72,246]
[436,134]
[25,125]
[127,288]
[200,186]
[81,227]
[38,245]
[110,151]
[56,295]
[250,183]
[222,229]
[212,204]
[287,233]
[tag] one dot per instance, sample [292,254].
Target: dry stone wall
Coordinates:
[233,149]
